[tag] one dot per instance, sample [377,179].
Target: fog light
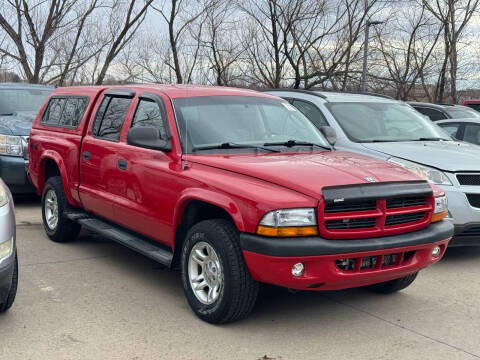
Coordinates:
[298,269]
[436,251]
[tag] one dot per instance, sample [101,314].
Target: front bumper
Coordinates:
[13,171]
[465,217]
[7,231]
[271,260]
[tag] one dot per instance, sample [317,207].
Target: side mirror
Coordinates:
[147,137]
[329,133]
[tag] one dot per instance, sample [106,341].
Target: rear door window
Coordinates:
[110,117]
[434,115]
[66,112]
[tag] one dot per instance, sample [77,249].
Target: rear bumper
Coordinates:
[13,171]
[271,260]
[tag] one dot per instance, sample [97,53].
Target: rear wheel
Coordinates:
[54,203]
[216,280]
[13,289]
[392,286]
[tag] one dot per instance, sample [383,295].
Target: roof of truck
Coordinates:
[171,90]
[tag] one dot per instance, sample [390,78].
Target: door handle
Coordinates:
[86,155]
[122,164]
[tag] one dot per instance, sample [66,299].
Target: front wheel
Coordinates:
[392,286]
[54,203]
[13,289]
[216,280]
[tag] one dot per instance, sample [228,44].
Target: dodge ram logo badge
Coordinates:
[370,179]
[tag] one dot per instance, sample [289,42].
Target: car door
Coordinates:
[99,158]
[146,198]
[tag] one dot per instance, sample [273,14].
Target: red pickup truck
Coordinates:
[234,188]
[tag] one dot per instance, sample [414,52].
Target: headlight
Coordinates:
[435,176]
[6,248]
[11,145]
[441,208]
[3,195]
[289,222]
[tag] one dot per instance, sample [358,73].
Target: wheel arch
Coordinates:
[52,164]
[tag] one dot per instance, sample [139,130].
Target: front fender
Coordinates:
[52,155]
[212,197]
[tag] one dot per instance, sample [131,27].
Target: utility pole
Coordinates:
[365,51]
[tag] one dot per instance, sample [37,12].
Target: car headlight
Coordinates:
[3,195]
[289,223]
[433,175]
[441,208]
[6,248]
[11,145]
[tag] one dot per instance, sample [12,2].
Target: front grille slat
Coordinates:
[374,262]
[469,179]
[403,218]
[350,223]
[351,206]
[406,201]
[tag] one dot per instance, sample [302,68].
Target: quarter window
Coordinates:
[65,112]
[149,114]
[110,116]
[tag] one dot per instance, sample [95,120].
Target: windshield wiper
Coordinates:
[230,145]
[429,139]
[6,114]
[291,143]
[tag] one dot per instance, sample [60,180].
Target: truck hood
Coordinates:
[451,156]
[20,123]
[308,173]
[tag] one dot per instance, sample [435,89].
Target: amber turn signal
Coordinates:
[289,231]
[439,216]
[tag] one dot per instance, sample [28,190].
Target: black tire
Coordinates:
[239,291]
[65,230]
[13,289]
[392,286]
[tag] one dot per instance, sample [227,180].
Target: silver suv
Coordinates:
[392,130]
[8,251]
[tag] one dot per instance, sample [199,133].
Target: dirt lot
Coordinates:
[94,299]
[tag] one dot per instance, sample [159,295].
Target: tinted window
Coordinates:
[149,114]
[73,112]
[110,116]
[474,106]
[311,112]
[434,115]
[472,134]
[451,129]
[54,111]
[462,112]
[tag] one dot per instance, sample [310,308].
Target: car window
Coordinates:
[213,120]
[53,112]
[462,113]
[110,116]
[451,129]
[73,112]
[13,100]
[472,133]
[312,112]
[376,122]
[475,107]
[148,113]
[434,115]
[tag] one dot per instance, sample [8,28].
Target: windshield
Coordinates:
[13,100]
[462,113]
[242,120]
[371,122]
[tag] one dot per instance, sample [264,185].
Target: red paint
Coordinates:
[151,195]
[323,270]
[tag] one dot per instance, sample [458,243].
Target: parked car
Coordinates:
[8,251]
[462,129]
[233,187]
[19,104]
[391,130]
[444,111]
[473,104]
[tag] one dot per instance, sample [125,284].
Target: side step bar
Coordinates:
[147,247]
